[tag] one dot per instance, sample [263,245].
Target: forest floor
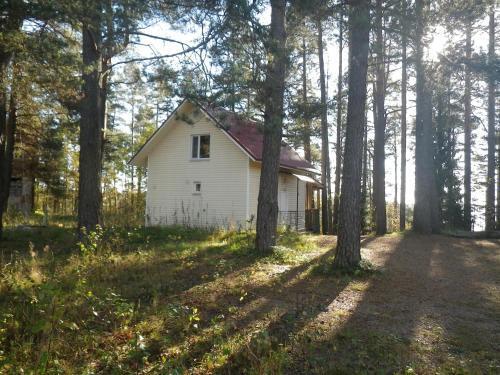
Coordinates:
[185,301]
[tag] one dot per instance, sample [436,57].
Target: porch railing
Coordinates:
[300,220]
[312,220]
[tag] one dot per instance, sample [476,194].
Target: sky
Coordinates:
[439,40]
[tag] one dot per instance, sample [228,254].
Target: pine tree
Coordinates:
[348,248]
[106,30]
[267,207]
[380,125]
[404,84]
[468,127]
[491,77]
[13,14]
[338,146]
[425,218]
[325,147]
[447,121]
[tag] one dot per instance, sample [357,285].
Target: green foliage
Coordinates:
[180,300]
[364,270]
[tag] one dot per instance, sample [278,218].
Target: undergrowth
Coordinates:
[180,300]
[109,302]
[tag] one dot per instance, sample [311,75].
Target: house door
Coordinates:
[283,201]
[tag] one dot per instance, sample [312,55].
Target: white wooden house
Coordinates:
[203,167]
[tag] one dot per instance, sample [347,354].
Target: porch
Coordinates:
[308,218]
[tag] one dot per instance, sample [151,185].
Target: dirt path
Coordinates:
[434,307]
[437,300]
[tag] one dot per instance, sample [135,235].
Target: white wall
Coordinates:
[172,173]
[288,183]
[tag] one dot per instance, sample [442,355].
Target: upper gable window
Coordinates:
[200,147]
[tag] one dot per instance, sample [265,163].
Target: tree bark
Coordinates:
[490,182]
[338,146]
[380,123]
[8,125]
[325,149]
[498,183]
[425,219]
[305,109]
[267,208]
[395,173]
[467,129]
[364,185]
[10,25]
[348,253]
[91,131]
[404,84]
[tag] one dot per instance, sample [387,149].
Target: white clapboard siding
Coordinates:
[172,173]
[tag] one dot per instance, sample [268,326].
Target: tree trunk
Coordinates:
[11,24]
[467,129]
[4,165]
[490,182]
[325,154]
[348,253]
[267,209]
[380,122]
[498,183]
[338,147]
[364,184]
[8,123]
[404,83]
[395,173]
[91,132]
[305,109]
[425,217]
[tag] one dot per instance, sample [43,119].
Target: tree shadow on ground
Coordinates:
[410,312]
[276,307]
[172,270]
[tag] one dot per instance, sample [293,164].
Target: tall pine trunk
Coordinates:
[348,253]
[12,19]
[365,194]
[467,129]
[404,84]
[380,122]
[490,182]
[395,173]
[338,146]
[425,218]
[8,124]
[325,147]
[4,160]
[267,208]
[305,109]
[498,183]
[91,131]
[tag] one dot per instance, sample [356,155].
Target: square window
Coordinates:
[200,148]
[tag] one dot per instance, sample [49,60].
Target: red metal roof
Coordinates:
[248,135]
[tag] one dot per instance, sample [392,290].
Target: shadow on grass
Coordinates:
[413,316]
[266,320]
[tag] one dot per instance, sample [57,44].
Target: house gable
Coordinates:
[186,112]
[244,133]
[200,192]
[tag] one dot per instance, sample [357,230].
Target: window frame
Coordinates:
[197,158]
[196,192]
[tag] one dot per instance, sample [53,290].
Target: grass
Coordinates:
[178,300]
